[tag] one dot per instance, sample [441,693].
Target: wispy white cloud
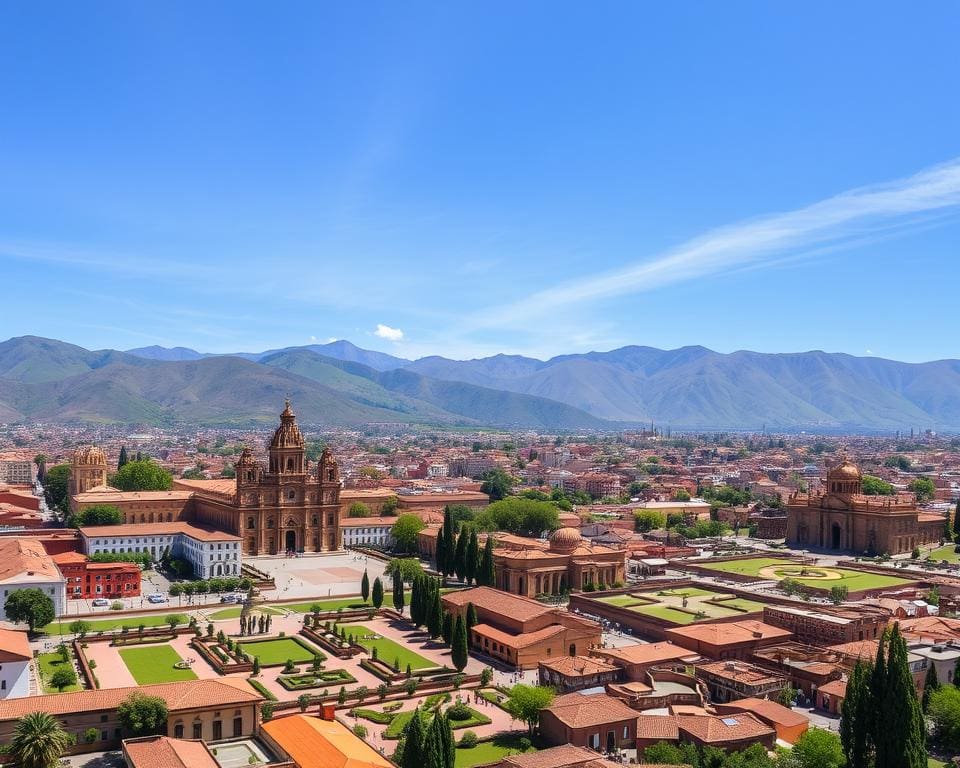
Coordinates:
[842,220]
[388,333]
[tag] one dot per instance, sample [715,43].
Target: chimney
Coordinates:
[327,711]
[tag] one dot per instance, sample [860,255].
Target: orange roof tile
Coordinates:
[25,557]
[315,743]
[711,729]
[164,752]
[578,710]
[769,711]
[14,646]
[199,532]
[496,601]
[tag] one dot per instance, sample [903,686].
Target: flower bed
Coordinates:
[321,679]
[145,640]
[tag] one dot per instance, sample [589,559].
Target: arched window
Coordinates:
[270,523]
[250,523]
[330,475]
[291,494]
[314,520]
[289,465]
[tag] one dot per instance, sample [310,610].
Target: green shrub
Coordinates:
[468,740]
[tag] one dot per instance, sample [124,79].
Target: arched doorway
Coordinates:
[290,541]
[219,569]
[835,535]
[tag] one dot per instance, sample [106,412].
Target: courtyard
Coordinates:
[816,576]
[685,605]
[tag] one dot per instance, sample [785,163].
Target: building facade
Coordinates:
[844,519]
[15,657]
[86,579]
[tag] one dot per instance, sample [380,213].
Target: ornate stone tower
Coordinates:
[845,479]
[287,451]
[88,469]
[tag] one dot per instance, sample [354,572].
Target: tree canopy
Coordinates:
[524,517]
[496,484]
[141,475]
[874,486]
[31,606]
[405,532]
[923,487]
[526,701]
[143,715]
[97,514]
[55,484]
[39,741]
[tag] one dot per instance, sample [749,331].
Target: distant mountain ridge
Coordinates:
[48,380]
[687,388]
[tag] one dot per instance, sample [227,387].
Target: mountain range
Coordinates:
[341,384]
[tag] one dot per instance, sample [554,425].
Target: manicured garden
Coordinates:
[491,751]
[278,650]
[818,577]
[48,663]
[109,625]
[945,553]
[321,679]
[387,649]
[154,665]
[346,603]
[400,720]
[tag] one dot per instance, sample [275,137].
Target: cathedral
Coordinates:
[281,506]
[843,519]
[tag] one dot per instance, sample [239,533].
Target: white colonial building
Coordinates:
[367,531]
[25,564]
[210,552]
[15,656]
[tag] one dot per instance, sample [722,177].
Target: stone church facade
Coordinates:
[280,506]
[843,519]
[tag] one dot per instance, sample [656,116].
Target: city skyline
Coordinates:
[434,181]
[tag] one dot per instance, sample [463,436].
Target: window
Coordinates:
[178,731]
[249,523]
[217,730]
[237,727]
[198,730]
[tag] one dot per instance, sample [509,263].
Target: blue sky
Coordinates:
[466,179]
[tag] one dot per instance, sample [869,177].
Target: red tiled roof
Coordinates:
[188,694]
[496,601]
[164,752]
[14,646]
[730,633]
[766,710]
[711,729]
[578,710]
[660,727]
[199,532]
[522,640]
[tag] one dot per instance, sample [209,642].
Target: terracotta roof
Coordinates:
[199,532]
[565,756]
[766,710]
[103,494]
[164,752]
[523,640]
[932,626]
[25,559]
[577,665]
[660,727]
[578,710]
[315,743]
[834,688]
[65,558]
[730,633]
[740,671]
[14,646]
[711,729]
[359,522]
[496,601]
[645,654]
[188,694]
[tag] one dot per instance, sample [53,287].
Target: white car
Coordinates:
[101,602]
[157,598]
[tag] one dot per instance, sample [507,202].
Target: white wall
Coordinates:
[55,590]
[14,679]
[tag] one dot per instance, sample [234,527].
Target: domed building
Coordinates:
[566,562]
[843,519]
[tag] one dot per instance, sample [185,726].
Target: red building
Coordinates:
[86,579]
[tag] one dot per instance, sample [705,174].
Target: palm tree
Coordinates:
[39,741]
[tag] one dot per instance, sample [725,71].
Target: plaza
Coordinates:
[817,577]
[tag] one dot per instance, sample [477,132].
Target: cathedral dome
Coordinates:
[288,434]
[90,455]
[845,470]
[565,539]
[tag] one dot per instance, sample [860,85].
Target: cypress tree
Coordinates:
[446,631]
[413,742]
[435,613]
[441,550]
[365,586]
[902,718]
[377,593]
[471,620]
[460,561]
[487,577]
[398,591]
[123,457]
[434,747]
[930,684]
[473,556]
[449,545]
[956,523]
[956,671]
[878,684]
[458,647]
[449,746]
[857,718]
[416,601]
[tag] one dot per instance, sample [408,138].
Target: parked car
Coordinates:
[228,599]
[157,598]
[101,602]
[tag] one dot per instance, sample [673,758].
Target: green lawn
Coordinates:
[674,615]
[108,625]
[278,650]
[489,751]
[400,720]
[234,612]
[945,553]
[621,601]
[49,663]
[684,592]
[331,605]
[154,665]
[387,649]
[855,581]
